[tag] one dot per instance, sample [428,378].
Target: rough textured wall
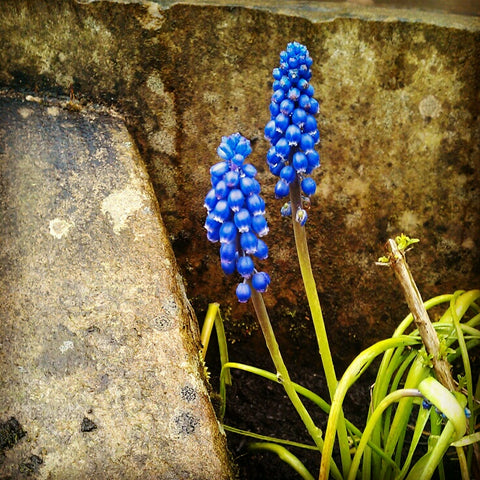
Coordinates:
[399,125]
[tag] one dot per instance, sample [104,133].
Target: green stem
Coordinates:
[282,372]
[285,456]
[317,317]
[376,415]
[353,372]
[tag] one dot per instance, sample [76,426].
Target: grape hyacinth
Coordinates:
[292,129]
[236,215]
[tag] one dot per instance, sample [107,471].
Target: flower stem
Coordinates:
[317,316]
[282,372]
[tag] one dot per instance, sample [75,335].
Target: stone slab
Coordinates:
[100,371]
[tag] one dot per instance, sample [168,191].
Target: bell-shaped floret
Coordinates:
[287,106]
[293,135]
[299,117]
[300,162]
[294,94]
[248,242]
[249,170]
[288,174]
[245,266]
[219,169]
[313,160]
[278,96]
[228,267]
[211,224]
[255,204]
[281,122]
[262,250]
[231,178]
[228,232]
[282,148]
[213,236]
[270,130]
[308,186]
[210,200]
[221,189]
[224,151]
[310,124]
[249,185]
[307,143]
[243,292]
[228,252]
[238,160]
[243,220]
[304,102]
[259,225]
[260,281]
[235,199]
[221,212]
[281,189]
[314,107]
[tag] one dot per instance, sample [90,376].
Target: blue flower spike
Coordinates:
[236,212]
[292,129]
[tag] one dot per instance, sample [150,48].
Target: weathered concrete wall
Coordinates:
[399,122]
[99,350]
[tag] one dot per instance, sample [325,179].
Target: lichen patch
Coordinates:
[121,205]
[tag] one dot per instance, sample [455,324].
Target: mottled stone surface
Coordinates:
[100,373]
[399,123]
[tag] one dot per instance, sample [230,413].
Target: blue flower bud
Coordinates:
[228,232]
[310,91]
[274,109]
[213,236]
[221,189]
[228,267]
[293,135]
[249,170]
[281,189]
[293,75]
[278,96]
[231,178]
[302,84]
[276,169]
[211,224]
[294,94]
[288,174]
[300,162]
[221,211]
[235,200]
[255,204]
[299,117]
[243,292]
[259,226]
[219,169]
[314,106]
[210,200]
[282,148]
[242,220]
[286,107]
[304,102]
[238,159]
[248,242]
[262,250]
[310,124]
[260,281]
[224,151]
[285,83]
[307,143]
[313,159]
[281,122]
[308,186]
[249,185]
[245,266]
[277,74]
[228,252]
[270,130]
